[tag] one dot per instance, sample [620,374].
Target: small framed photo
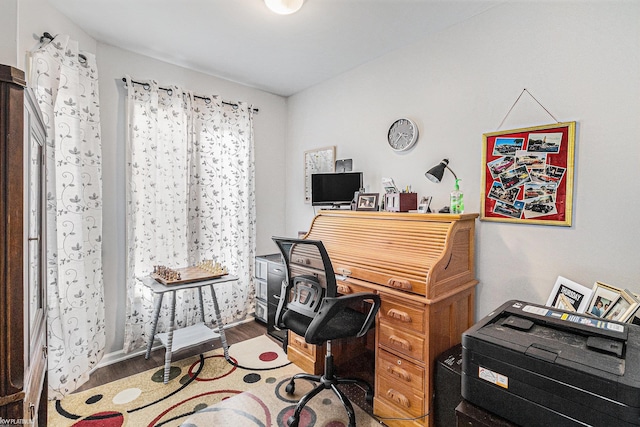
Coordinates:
[569,295]
[624,308]
[603,297]
[423,206]
[367,202]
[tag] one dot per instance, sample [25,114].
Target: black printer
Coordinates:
[540,366]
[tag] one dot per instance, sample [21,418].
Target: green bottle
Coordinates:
[457,200]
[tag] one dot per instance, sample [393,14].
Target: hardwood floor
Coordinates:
[135,365]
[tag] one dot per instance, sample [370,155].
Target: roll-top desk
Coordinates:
[422,266]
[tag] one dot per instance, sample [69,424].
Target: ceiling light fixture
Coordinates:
[284,7]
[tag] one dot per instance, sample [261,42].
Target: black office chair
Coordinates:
[311,307]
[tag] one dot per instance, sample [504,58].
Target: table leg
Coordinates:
[223,337]
[201,303]
[154,323]
[167,354]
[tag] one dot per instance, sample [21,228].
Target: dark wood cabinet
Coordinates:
[23,304]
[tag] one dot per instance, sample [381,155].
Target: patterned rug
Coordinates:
[206,390]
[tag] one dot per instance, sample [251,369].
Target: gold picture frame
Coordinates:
[527,175]
[602,298]
[320,160]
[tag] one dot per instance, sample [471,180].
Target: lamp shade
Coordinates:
[284,7]
[436,173]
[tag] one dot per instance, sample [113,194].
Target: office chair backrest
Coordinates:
[310,276]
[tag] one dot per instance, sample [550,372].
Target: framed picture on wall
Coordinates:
[528,175]
[317,161]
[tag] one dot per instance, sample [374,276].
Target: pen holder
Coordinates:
[401,202]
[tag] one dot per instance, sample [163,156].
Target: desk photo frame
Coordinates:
[367,202]
[527,175]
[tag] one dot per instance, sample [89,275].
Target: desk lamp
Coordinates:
[435,174]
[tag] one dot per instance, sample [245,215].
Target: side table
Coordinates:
[159,290]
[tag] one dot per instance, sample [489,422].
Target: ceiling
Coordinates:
[242,41]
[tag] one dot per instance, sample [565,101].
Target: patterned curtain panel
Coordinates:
[66,87]
[190,197]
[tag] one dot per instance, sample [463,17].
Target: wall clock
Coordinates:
[402,135]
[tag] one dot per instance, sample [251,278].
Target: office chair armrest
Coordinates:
[285,288]
[332,305]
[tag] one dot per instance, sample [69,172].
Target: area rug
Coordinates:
[206,390]
[195,383]
[269,406]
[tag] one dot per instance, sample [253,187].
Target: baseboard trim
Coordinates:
[120,355]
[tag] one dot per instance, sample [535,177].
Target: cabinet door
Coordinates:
[35,224]
[35,257]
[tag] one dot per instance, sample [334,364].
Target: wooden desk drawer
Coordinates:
[402,314]
[297,270]
[395,418]
[304,361]
[306,255]
[347,288]
[400,370]
[397,395]
[400,341]
[298,342]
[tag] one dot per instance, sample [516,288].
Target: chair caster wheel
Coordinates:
[290,389]
[292,422]
[368,396]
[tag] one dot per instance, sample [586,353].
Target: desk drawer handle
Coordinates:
[398,397]
[300,342]
[343,271]
[399,284]
[399,315]
[344,289]
[400,373]
[399,342]
[301,260]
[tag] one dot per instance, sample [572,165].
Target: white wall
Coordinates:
[36,17]
[8,32]
[580,60]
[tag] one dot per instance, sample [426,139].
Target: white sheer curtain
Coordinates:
[190,197]
[66,87]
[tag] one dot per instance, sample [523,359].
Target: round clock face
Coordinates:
[403,133]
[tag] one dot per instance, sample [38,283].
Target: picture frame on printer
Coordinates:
[604,296]
[633,317]
[623,308]
[569,295]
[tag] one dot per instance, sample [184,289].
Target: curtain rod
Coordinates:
[234,105]
[47,35]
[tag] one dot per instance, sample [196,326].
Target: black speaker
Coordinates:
[447,388]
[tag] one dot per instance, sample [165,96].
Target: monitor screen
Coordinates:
[334,188]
